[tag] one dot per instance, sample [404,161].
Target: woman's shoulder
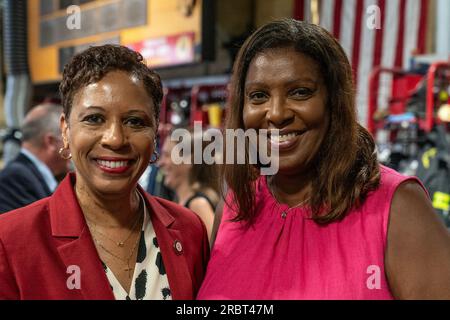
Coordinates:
[380,199]
[390,180]
[212,195]
[416,236]
[390,177]
[203,198]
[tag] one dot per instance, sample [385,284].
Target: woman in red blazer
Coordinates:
[99,236]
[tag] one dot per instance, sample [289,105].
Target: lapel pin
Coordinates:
[178,247]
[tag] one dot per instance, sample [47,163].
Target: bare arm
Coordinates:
[203,209]
[418,247]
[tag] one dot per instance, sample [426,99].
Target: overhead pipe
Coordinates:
[18,84]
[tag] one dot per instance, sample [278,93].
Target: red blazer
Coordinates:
[40,242]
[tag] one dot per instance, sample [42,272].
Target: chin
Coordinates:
[292,165]
[113,187]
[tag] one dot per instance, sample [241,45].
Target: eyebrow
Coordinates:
[136,111]
[103,109]
[289,82]
[95,108]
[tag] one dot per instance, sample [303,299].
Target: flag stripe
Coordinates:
[365,66]
[388,53]
[348,27]
[357,38]
[337,18]
[379,40]
[424,7]
[299,9]
[403,27]
[380,35]
[401,34]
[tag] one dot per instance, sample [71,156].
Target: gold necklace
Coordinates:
[121,244]
[285,212]
[126,260]
[118,243]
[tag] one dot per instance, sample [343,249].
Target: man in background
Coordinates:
[35,173]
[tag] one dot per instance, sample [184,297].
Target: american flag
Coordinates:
[403,27]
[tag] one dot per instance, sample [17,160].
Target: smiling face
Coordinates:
[284,90]
[110,133]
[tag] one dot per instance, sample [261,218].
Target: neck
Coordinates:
[114,211]
[290,189]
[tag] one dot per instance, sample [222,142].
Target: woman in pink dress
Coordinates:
[332,223]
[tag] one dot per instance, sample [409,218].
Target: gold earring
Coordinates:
[65,153]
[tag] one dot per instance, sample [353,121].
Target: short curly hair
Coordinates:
[91,65]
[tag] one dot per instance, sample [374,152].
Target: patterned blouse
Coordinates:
[149,278]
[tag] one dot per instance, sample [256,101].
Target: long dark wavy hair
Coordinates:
[346,167]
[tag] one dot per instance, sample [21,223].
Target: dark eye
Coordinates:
[301,93]
[135,122]
[257,97]
[93,119]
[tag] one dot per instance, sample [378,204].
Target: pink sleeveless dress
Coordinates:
[295,258]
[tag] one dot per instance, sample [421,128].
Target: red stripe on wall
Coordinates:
[401,35]
[299,9]
[379,35]
[357,38]
[422,34]
[337,19]
[378,47]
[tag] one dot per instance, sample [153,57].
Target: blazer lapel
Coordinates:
[78,249]
[67,221]
[170,242]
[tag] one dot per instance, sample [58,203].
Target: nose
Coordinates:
[279,114]
[114,136]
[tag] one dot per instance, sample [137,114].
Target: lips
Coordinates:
[114,165]
[285,139]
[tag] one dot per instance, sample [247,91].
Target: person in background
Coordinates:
[152,181]
[196,185]
[332,223]
[35,173]
[100,236]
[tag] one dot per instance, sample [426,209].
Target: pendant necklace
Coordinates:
[120,243]
[285,212]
